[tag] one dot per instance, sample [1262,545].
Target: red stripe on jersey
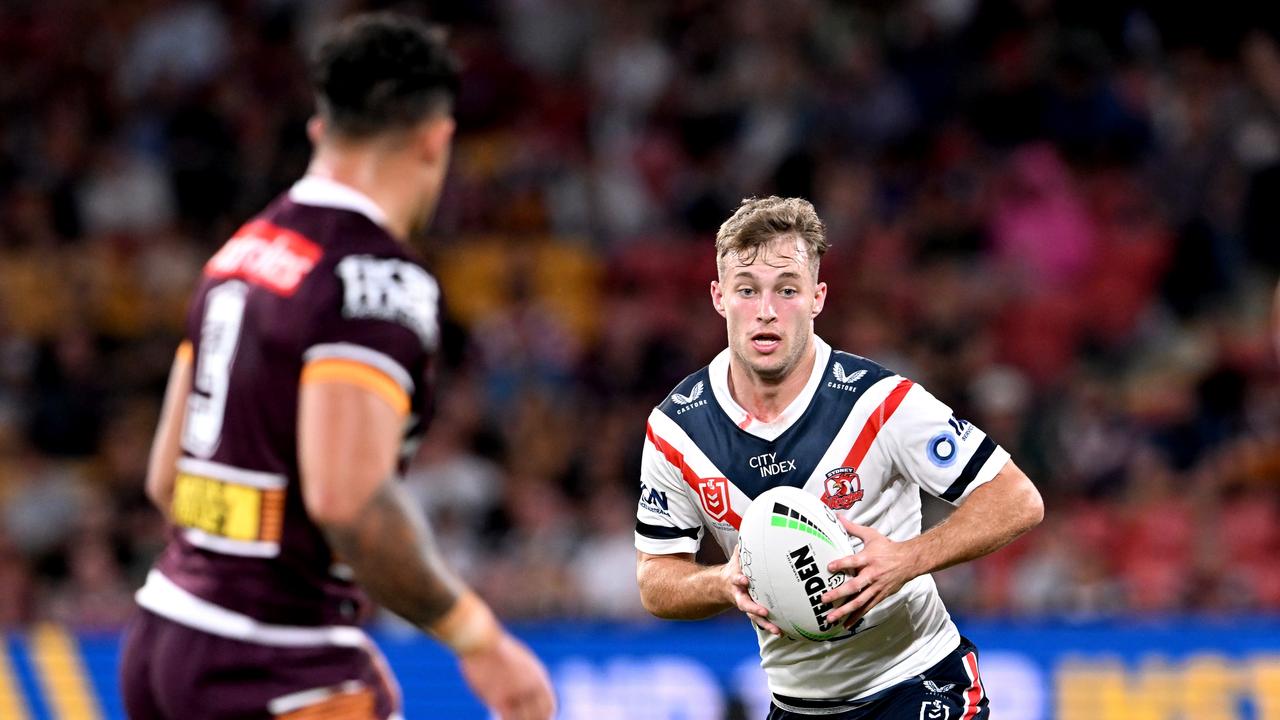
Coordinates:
[972,696]
[878,418]
[266,255]
[713,492]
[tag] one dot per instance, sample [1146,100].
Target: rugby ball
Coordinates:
[786,539]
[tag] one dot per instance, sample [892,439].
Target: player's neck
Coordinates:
[765,399]
[376,178]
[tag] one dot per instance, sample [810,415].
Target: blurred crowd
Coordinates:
[1061,218]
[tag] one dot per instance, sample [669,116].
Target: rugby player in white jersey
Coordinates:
[780,407]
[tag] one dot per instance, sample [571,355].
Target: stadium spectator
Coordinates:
[616,137]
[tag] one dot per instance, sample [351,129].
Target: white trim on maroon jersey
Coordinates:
[325,192]
[368,356]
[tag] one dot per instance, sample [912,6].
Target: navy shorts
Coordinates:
[169,671]
[950,690]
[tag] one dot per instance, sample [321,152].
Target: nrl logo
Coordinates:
[934,710]
[715,497]
[693,395]
[846,378]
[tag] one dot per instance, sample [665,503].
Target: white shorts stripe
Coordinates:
[298,700]
[163,597]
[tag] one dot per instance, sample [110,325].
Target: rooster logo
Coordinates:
[694,394]
[842,488]
[847,378]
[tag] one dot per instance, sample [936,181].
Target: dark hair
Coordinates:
[381,71]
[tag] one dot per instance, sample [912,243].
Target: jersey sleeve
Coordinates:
[667,520]
[375,323]
[943,454]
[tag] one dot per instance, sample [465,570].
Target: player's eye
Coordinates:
[788,292]
[746,291]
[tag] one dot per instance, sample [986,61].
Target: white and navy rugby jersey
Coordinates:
[863,439]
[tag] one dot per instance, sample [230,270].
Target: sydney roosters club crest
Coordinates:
[715,497]
[842,488]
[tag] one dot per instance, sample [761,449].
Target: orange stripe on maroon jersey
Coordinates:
[972,696]
[356,373]
[877,420]
[272,516]
[703,486]
[266,255]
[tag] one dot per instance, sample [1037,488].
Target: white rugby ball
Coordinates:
[786,539]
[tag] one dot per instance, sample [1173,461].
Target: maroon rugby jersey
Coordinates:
[312,287]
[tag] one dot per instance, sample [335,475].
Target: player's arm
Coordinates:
[162,465]
[994,514]
[676,587]
[348,440]
[672,584]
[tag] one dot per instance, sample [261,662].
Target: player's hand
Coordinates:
[738,586]
[509,680]
[877,571]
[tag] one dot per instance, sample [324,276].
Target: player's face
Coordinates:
[769,305]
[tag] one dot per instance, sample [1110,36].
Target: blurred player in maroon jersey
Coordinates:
[302,385]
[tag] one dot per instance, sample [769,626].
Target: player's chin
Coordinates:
[769,367]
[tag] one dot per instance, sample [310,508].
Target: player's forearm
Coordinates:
[390,548]
[992,517]
[678,589]
[165,447]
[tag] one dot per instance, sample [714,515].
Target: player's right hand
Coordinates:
[739,590]
[509,680]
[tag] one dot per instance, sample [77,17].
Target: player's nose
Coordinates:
[764,309]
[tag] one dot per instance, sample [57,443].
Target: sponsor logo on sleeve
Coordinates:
[962,427]
[843,380]
[394,290]
[654,500]
[690,401]
[943,449]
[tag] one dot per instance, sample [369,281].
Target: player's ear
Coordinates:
[819,299]
[315,129]
[717,297]
[434,136]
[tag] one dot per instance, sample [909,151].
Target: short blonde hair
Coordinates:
[758,221]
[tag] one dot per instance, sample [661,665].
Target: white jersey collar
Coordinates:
[719,372]
[325,192]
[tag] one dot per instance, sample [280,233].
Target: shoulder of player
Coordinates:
[693,391]
[846,370]
[288,244]
[336,231]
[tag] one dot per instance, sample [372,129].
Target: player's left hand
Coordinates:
[740,592]
[877,571]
